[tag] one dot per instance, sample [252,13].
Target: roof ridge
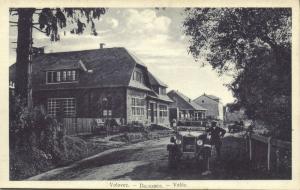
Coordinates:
[189,101]
[182,96]
[207,97]
[76,51]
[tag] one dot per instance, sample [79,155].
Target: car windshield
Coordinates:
[192,128]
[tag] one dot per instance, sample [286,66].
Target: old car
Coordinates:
[236,127]
[189,144]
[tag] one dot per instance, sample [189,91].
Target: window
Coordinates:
[162,91]
[61,76]
[66,105]
[64,75]
[69,76]
[138,106]
[137,76]
[51,77]
[73,75]
[58,76]
[163,111]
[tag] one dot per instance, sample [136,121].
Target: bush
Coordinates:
[36,140]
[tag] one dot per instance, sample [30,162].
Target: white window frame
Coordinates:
[69,106]
[62,76]
[163,111]
[58,79]
[162,91]
[137,76]
[138,106]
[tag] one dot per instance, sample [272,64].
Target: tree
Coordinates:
[49,22]
[252,45]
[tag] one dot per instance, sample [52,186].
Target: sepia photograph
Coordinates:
[152,93]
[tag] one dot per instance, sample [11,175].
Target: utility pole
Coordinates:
[29,83]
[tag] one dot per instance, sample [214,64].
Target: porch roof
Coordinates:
[160,97]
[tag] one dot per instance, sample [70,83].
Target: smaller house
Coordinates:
[184,109]
[213,105]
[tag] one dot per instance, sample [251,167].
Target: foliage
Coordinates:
[49,22]
[36,140]
[252,45]
[51,19]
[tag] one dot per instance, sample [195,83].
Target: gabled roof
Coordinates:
[154,81]
[111,67]
[212,97]
[183,102]
[215,98]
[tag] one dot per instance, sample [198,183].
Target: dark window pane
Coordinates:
[49,76]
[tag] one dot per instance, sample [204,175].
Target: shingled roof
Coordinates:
[183,102]
[111,67]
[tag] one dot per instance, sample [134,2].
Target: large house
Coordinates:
[184,109]
[213,105]
[100,83]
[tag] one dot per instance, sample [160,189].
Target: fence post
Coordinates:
[76,127]
[277,160]
[269,153]
[250,147]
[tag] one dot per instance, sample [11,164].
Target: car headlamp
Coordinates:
[178,141]
[199,142]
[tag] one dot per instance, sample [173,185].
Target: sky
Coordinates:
[155,36]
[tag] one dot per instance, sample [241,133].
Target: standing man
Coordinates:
[216,134]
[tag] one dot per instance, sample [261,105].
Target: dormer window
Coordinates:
[61,76]
[137,76]
[162,91]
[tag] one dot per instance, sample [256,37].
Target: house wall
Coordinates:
[89,102]
[214,108]
[221,111]
[164,120]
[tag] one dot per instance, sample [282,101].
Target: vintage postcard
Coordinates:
[150,94]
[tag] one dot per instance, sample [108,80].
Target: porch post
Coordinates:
[269,153]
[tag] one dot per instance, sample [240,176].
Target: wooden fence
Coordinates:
[269,153]
[74,126]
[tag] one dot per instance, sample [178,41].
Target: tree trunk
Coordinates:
[23,62]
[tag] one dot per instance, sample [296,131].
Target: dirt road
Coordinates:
[148,161]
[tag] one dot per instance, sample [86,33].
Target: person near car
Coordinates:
[216,134]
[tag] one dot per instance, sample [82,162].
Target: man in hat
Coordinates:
[216,134]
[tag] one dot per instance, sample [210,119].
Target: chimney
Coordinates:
[102,45]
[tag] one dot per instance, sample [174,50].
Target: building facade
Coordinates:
[100,83]
[183,109]
[213,105]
